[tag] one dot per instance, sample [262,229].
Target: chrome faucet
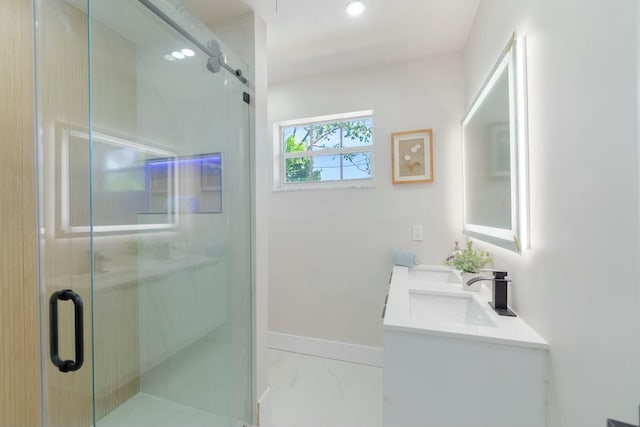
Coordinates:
[499,279]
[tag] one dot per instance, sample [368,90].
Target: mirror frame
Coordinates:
[516,238]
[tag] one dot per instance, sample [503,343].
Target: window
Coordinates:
[334,149]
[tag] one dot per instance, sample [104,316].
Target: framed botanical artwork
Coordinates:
[412,156]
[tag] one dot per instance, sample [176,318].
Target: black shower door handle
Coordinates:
[66,365]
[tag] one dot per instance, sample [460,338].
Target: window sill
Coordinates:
[369,184]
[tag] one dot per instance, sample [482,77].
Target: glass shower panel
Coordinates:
[144,211]
[62,104]
[171,225]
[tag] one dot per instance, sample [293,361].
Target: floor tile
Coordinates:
[309,391]
[144,410]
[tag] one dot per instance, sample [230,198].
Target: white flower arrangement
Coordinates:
[407,158]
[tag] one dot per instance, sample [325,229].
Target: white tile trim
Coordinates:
[336,350]
[264,410]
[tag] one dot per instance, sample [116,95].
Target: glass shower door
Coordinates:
[62,106]
[145,215]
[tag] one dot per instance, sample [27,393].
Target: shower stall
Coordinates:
[144,207]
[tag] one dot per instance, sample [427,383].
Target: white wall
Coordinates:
[578,285]
[260,231]
[330,249]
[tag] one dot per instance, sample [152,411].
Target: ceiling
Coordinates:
[307,37]
[215,12]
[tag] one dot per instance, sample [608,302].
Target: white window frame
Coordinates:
[280,157]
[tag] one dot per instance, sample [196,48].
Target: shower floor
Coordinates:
[189,389]
[145,410]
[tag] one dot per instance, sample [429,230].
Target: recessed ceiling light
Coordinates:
[187,52]
[355,8]
[169,57]
[177,55]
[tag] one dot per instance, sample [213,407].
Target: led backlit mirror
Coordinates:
[495,155]
[135,186]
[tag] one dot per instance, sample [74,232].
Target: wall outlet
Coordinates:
[418,233]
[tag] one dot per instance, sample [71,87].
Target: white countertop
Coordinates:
[512,331]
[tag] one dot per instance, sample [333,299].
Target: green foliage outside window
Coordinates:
[298,168]
[326,136]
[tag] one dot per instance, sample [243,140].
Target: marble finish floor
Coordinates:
[306,391]
[192,388]
[309,391]
[144,410]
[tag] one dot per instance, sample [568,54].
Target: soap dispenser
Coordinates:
[456,250]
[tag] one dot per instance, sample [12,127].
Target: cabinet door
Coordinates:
[428,379]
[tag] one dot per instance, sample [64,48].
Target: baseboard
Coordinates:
[353,353]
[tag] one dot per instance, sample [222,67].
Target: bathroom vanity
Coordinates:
[451,361]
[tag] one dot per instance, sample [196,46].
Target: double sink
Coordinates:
[444,306]
[431,299]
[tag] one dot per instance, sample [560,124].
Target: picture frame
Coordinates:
[412,156]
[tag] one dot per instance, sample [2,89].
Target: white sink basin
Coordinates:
[433,274]
[445,307]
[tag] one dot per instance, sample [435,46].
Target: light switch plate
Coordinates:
[418,233]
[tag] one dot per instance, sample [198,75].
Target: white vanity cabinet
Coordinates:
[443,373]
[432,381]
